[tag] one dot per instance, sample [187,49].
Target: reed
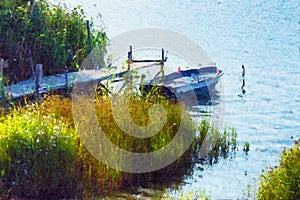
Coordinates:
[213,144]
[42,155]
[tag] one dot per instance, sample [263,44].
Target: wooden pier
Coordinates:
[39,84]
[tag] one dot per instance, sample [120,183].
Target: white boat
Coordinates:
[193,79]
[178,83]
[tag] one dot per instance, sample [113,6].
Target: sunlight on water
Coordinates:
[261,35]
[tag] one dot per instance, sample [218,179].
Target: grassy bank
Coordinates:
[283,182]
[42,155]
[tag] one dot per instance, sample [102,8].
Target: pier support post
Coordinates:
[2,87]
[38,81]
[129,58]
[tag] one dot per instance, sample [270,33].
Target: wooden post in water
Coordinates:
[243,76]
[90,44]
[243,82]
[38,81]
[162,64]
[129,57]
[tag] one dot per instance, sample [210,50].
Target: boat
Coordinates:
[196,79]
[181,83]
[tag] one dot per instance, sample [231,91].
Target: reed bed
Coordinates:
[42,154]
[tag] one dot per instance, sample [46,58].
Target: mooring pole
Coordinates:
[38,81]
[243,77]
[90,43]
[162,62]
[129,57]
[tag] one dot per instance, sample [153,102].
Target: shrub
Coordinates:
[283,182]
[57,37]
[42,157]
[36,154]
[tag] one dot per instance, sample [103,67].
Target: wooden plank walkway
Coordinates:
[58,81]
[49,83]
[65,80]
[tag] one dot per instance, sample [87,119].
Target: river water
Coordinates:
[264,36]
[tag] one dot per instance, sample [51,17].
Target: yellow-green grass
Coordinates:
[42,155]
[283,182]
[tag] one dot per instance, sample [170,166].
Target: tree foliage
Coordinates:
[57,37]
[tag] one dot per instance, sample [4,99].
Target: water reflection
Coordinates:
[206,96]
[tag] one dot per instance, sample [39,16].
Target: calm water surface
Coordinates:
[262,35]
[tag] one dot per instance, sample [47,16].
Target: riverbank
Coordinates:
[42,155]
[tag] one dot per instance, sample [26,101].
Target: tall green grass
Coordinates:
[42,155]
[213,144]
[139,107]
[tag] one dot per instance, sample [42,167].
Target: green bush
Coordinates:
[57,37]
[36,154]
[283,182]
[41,156]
